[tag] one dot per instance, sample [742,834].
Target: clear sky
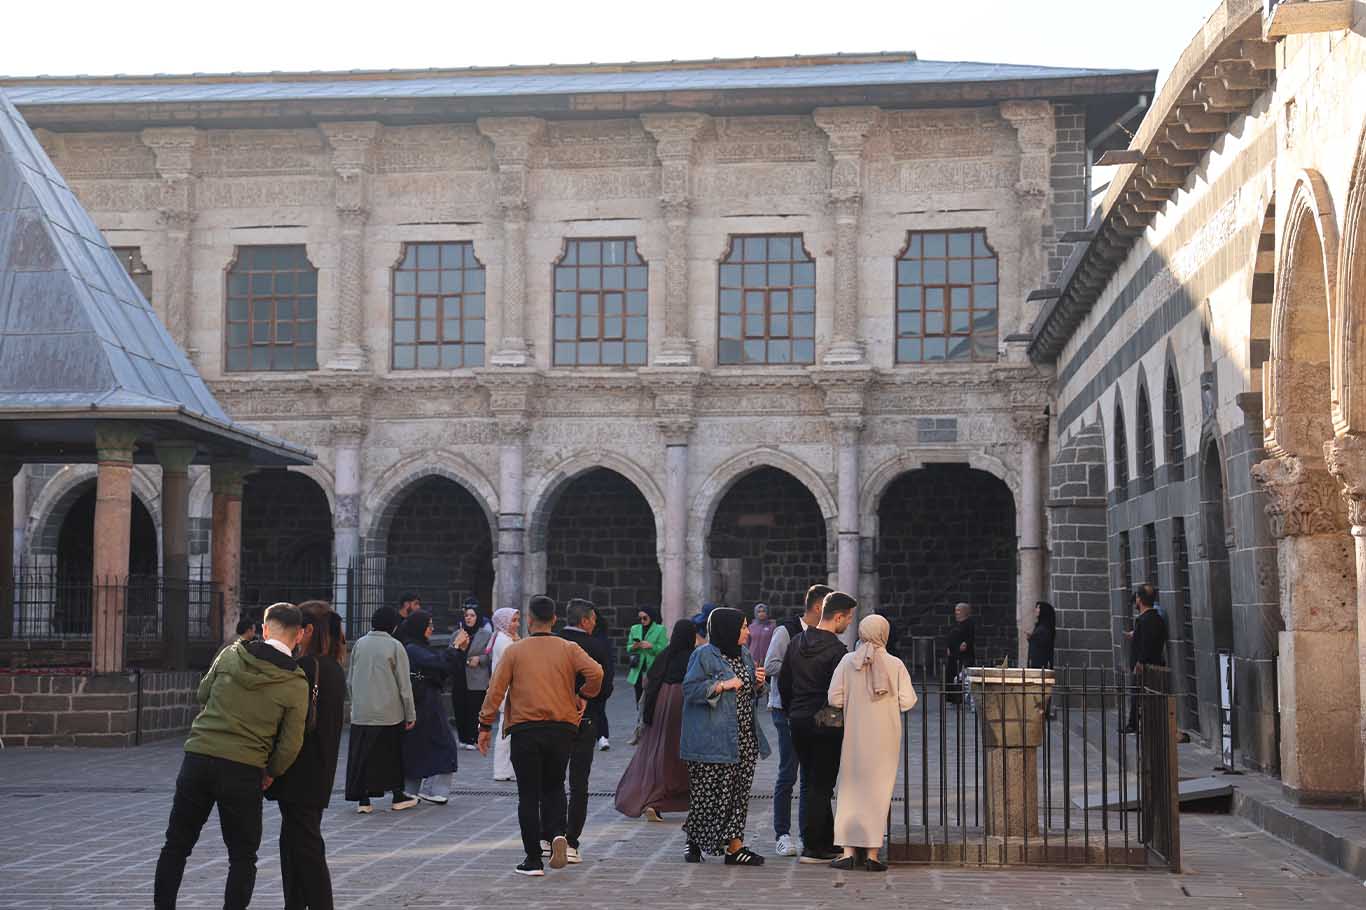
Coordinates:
[182,36]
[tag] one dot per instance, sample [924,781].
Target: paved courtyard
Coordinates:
[82,829]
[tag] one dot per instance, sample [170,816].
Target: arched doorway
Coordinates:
[71,604]
[439,547]
[767,542]
[1217,633]
[600,545]
[946,533]
[286,540]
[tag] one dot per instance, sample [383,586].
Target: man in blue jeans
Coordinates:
[787,756]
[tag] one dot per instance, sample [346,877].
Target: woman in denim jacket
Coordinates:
[722,739]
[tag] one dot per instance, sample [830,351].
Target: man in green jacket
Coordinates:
[255,701]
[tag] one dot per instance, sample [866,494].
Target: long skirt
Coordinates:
[374,761]
[656,777]
[502,752]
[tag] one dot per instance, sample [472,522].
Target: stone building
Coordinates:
[646,333]
[1208,343]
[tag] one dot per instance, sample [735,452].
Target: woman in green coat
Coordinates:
[647,640]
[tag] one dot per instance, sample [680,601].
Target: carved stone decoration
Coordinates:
[353,147]
[344,397]
[676,148]
[1036,132]
[513,139]
[848,129]
[174,149]
[1031,428]
[674,390]
[1297,415]
[512,396]
[1346,457]
[1303,500]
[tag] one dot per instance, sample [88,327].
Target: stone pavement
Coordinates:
[81,829]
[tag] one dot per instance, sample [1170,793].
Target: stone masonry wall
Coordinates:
[1070,184]
[1078,557]
[55,709]
[286,539]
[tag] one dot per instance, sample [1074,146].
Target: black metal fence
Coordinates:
[1015,770]
[51,606]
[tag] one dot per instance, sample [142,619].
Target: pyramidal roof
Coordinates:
[76,335]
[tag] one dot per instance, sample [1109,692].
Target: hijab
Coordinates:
[1047,615]
[723,630]
[652,614]
[675,658]
[872,635]
[504,618]
[413,630]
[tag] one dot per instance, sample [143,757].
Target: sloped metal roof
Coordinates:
[76,335]
[512,82]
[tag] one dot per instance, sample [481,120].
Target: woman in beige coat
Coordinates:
[874,689]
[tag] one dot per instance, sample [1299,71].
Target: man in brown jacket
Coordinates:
[540,677]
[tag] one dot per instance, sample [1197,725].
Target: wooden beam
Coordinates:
[1308,17]
[1145,188]
[1198,120]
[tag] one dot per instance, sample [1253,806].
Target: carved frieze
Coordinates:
[120,155]
[741,139]
[437,197]
[969,133]
[739,181]
[592,185]
[265,192]
[595,144]
[941,176]
[263,152]
[121,196]
[1303,499]
[447,147]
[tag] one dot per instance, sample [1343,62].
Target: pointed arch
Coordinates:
[1173,420]
[1350,358]
[1144,445]
[557,479]
[1120,454]
[389,489]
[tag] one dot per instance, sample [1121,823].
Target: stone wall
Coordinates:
[1078,558]
[946,533]
[81,709]
[286,539]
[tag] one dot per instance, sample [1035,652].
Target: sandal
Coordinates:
[744,857]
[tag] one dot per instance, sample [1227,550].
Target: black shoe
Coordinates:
[530,866]
[744,857]
[812,857]
[844,863]
[874,865]
[693,853]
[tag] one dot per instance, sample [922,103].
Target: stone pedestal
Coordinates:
[113,510]
[1011,704]
[175,461]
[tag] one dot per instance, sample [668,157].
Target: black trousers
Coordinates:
[467,703]
[580,765]
[303,858]
[204,782]
[818,754]
[540,756]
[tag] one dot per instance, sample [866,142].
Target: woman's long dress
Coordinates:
[656,777]
[718,795]
[502,746]
[871,751]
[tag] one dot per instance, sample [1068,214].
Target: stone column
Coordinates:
[114,444]
[1033,433]
[1319,665]
[1346,456]
[226,484]
[674,391]
[847,432]
[9,471]
[353,152]
[676,147]
[347,436]
[175,461]
[513,139]
[174,149]
[848,129]
[511,393]
[1037,133]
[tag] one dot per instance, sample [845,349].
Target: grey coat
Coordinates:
[477,678]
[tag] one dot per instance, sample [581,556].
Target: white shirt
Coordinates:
[279,646]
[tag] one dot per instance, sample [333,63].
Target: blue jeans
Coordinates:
[787,777]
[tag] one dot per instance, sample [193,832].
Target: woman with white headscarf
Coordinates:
[506,626]
[874,689]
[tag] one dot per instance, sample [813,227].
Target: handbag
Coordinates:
[311,721]
[634,661]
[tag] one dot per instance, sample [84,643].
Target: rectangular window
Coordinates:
[601,289]
[946,304]
[767,302]
[438,306]
[272,310]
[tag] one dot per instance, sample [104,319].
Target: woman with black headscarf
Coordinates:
[721,740]
[1042,638]
[429,750]
[656,780]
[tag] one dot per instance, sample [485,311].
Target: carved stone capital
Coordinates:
[226,477]
[847,127]
[512,393]
[176,457]
[675,134]
[1346,457]
[348,434]
[351,218]
[513,427]
[353,144]
[174,149]
[344,394]
[1303,499]
[676,429]
[115,442]
[1037,135]
[1031,427]
[845,390]
[674,390]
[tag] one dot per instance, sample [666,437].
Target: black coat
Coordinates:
[808,667]
[1041,647]
[308,782]
[1150,640]
[601,651]
[429,748]
[960,633]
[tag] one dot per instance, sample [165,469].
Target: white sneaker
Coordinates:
[559,852]
[572,856]
[545,849]
[603,744]
[433,798]
[469,747]
[785,846]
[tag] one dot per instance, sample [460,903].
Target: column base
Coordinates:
[844,353]
[674,352]
[349,358]
[514,355]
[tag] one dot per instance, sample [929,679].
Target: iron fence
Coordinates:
[1023,770]
[51,606]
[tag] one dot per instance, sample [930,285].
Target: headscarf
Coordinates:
[652,613]
[471,630]
[1047,615]
[872,635]
[723,630]
[503,619]
[670,667]
[413,630]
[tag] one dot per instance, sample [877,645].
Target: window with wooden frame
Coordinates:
[131,258]
[766,301]
[272,309]
[438,307]
[946,298]
[601,296]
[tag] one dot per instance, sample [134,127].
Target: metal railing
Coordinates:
[1039,774]
[52,606]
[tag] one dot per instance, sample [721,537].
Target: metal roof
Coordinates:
[515,82]
[76,335]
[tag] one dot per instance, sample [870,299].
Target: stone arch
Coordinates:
[1119,451]
[1350,358]
[60,493]
[557,479]
[1173,417]
[1302,409]
[1145,446]
[888,471]
[390,488]
[287,539]
[1261,290]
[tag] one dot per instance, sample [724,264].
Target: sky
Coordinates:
[183,36]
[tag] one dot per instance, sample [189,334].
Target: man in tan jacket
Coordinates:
[546,681]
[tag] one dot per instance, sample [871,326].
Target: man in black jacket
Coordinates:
[804,684]
[1147,644]
[580,621]
[961,650]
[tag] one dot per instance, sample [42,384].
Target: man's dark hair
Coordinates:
[577,612]
[816,595]
[285,615]
[244,624]
[1146,594]
[835,603]
[385,619]
[542,608]
[407,596]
